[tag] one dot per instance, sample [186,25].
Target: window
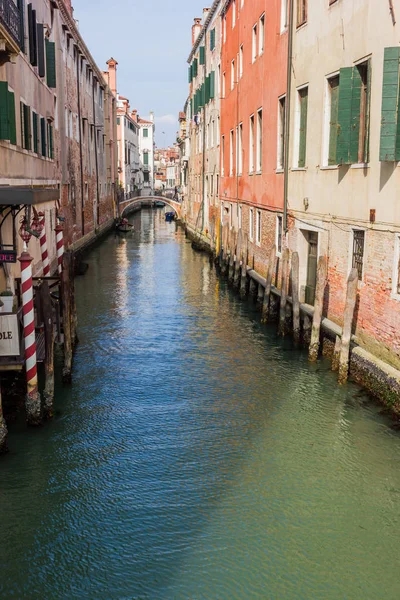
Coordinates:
[233,13]
[232,74]
[240,150]
[223,84]
[353,115]
[224,28]
[35,132]
[281,132]
[241,62]
[261,36]
[50,142]
[254,43]
[279,224]
[284,15]
[258,227]
[26,128]
[332,111]
[8,129]
[301,12]
[251,148]
[145,133]
[302,99]
[251,224]
[222,156]
[212,39]
[259,141]
[231,153]
[146,159]
[358,251]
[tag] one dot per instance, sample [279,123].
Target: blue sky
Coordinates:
[151,41]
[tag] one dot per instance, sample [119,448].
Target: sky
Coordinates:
[151,40]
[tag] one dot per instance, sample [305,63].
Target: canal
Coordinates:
[196,455]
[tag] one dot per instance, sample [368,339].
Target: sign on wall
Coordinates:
[9,335]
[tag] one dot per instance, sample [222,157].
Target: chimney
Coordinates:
[134,115]
[112,75]
[205,14]
[152,116]
[196,28]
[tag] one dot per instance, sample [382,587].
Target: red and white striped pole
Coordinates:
[33,398]
[60,246]
[43,246]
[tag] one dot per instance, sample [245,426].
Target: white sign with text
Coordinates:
[9,335]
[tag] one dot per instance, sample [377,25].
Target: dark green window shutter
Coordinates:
[303,97]
[190,74]
[212,39]
[390,104]
[35,133]
[344,116]
[195,67]
[202,55]
[207,89]
[4,114]
[21,8]
[11,118]
[50,140]
[40,50]
[43,136]
[27,127]
[32,31]
[212,85]
[355,116]
[51,64]
[146,159]
[334,91]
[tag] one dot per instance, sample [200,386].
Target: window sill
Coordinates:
[395,296]
[251,173]
[258,244]
[258,172]
[360,166]
[284,30]
[301,26]
[329,168]
[299,169]
[279,170]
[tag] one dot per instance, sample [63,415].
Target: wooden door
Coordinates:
[312,267]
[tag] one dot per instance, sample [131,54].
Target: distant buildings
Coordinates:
[146,147]
[167,168]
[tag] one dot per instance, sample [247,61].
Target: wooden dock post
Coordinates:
[47,310]
[232,249]
[66,300]
[74,314]
[243,277]
[336,354]
[3,428]
[267,293]
[260,296]
[224,253]
[236,277]
[352,284]
[253,289]
[295,297]
[284,290]
[322,273]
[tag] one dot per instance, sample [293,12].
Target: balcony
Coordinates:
[10,30]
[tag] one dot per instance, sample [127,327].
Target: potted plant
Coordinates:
[7,298]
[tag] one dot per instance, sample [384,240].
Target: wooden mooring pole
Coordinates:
[295,297]
[236,277]
[322,273]
[267,293]
[67,315]
[284,289]
[351,297]
[243,277]
[47,311]
[232,249]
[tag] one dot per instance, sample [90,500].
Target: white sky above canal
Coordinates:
[151,41]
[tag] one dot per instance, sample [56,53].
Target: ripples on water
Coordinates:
[196,455]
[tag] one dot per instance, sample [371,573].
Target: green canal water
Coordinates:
[196,455]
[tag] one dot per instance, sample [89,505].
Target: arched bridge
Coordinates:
[126,205]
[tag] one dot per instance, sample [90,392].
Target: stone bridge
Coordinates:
[126,205]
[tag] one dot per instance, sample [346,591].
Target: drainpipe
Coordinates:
[80,145]
[287,116]
[204,134]
[96,159]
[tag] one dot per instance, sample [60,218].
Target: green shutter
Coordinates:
[344,116]
[4,116]
[190,74]
[212,85]
[40,50]
[43,136]
[355,116]
[27,127]
[51,64]
[303,94]
[207,90]
[390,105]
[50,140]
[145,159]
[11,118]
[202,55]
[333,134]
[195,67]
[21,8]
[212,39]
[35,133]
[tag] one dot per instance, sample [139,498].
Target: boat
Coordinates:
[123,226]
[159,204]
[169,216]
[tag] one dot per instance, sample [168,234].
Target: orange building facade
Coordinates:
[252,89]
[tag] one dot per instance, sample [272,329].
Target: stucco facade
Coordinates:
[350,209]
[146,150]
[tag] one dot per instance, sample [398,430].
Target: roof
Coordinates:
[210,15]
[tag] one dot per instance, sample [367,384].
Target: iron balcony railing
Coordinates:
[10,19]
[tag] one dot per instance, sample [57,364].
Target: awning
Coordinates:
[23,196]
